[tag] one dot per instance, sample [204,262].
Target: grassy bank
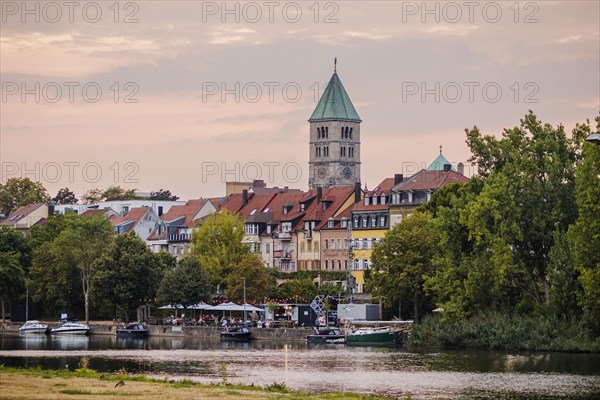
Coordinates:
[502,332]
[35,383]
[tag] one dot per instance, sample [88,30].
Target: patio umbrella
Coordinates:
[250,308]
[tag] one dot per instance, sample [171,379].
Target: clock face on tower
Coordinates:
[322,172]
[347,173]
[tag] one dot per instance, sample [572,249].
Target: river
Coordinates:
[431,374]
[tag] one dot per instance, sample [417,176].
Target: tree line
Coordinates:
[521,238]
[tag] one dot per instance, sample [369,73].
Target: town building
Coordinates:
[23,218]
[334,145]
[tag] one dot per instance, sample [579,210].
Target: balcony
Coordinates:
[282,254]
[283,236]
[180,237]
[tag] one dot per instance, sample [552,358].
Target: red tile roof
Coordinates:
[362,207]
[134,215]
[383,188]
[186,211]
[424,180]
[21,212]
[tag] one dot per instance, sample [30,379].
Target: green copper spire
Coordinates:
[438,163]
[335,103]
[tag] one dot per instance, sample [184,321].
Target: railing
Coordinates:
[284,236]
[180,237]
[282,254]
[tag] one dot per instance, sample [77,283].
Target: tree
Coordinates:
[65,196]
[11,278]
[584,234]
[12,241]
[401,263]
[92,196]
[218,245]
[258,281]
[128,275]
[186,284]
[51,280]
[80,244]
[163,195]
[113,193]
[18,192]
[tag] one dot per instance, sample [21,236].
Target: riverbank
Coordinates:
[35,383]
[503,332]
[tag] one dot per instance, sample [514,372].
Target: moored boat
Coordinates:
[70,327]
[133,330]
[327,336]
[236,333]
[33,327]
[375,335]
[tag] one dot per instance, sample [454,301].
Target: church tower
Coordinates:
[334,158]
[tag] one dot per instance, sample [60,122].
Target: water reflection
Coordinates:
[444,374]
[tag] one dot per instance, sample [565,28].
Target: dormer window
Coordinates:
[383,199]
[374,199]
[302,206]
[367,200]
[330,224]
[286,227]
[286,209]
[269,228]
[344,224]
[325,205]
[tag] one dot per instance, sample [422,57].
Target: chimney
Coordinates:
[319,193]
[447,167]
[51,208]
[398,178]
[244,197]
[357,192]
[259,183]
[461,168]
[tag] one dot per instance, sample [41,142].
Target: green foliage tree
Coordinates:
[218,245]
[186,284]
[163,194]
[65,196]
[12,241]
[11,278]
[128,275]
[584,234]
[113,193]
[92,196]
[17,192]
[258,280]
[50,281]
[76,248]
[401,263]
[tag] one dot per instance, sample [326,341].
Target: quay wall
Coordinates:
[280,334]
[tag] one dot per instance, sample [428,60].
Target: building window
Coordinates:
[326,264]
[286,227]
[326,151]
[330,224]
[350,133]
[251,229]
[351,152]
[356,222]
[339,243]
[332,244]
[365,222]
[373,222]
[356,264]
[325,244]
[344,224]
[374,199]
[367,200]
[382,221]
[382,199]
[268,248]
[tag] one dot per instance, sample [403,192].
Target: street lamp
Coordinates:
[244,279]
[594,138]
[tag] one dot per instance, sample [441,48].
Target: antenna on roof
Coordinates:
[335,65]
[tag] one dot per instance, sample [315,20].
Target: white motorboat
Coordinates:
[71,327]
[33,327]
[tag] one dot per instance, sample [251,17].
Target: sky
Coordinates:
[185,95]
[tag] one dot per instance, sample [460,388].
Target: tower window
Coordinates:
[342,133]
[351,152]
[326,132]
[350,133]
[326,151]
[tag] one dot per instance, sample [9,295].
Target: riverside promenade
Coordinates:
[108,328]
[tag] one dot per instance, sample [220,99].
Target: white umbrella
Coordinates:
[201,306]
[170,307]
[250,308]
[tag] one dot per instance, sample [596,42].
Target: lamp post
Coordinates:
[244,279]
